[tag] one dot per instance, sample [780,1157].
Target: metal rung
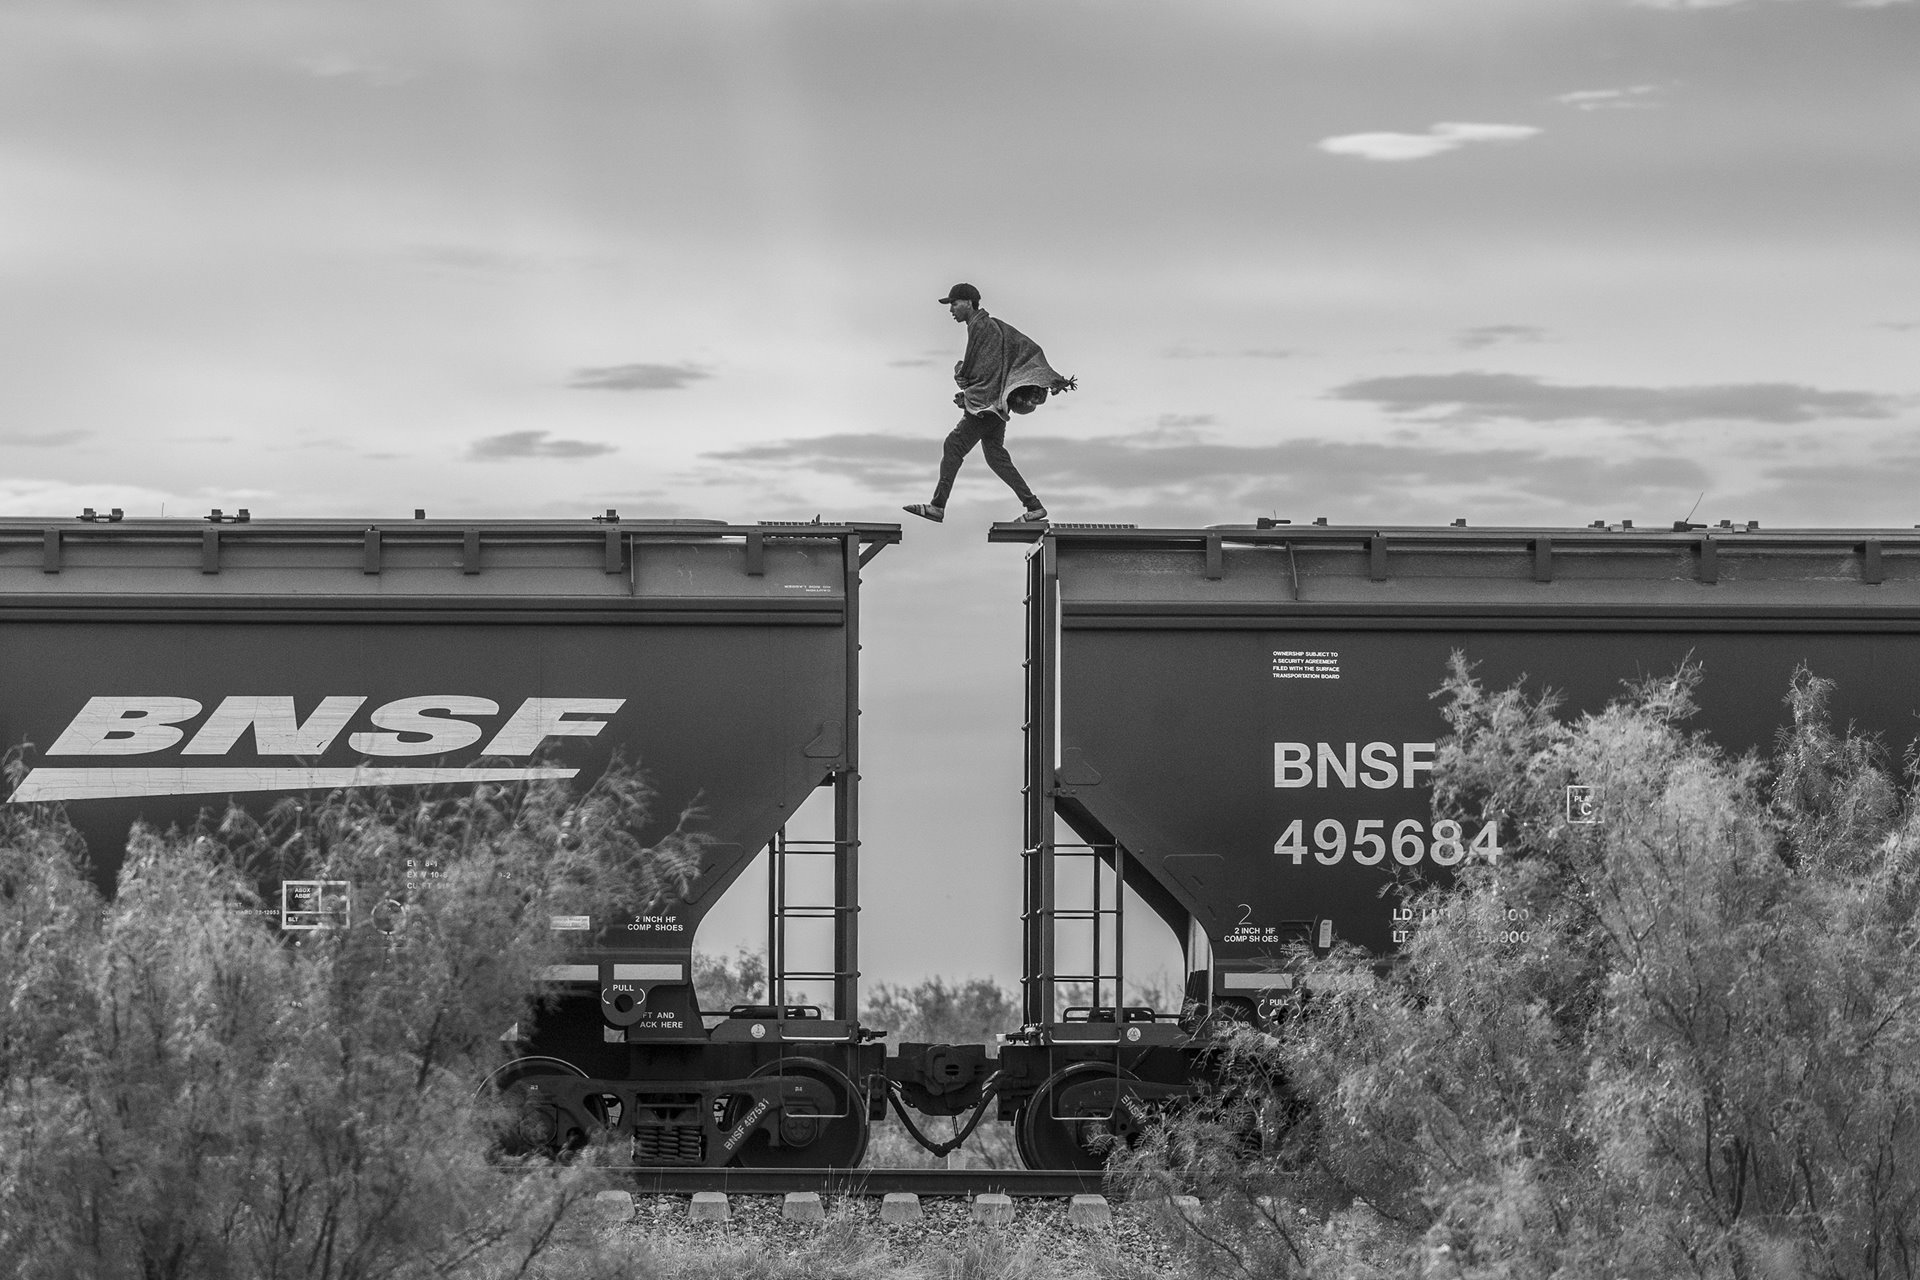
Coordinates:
[781,913]
[1106,864]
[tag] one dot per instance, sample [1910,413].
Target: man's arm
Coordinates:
[971,370]
[983,370]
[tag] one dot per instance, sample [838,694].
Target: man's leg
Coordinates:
[960,442]
[993,444]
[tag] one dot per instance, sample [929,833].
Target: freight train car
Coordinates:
[1236,723]
[162,667]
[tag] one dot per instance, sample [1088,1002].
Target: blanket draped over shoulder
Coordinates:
[999,359]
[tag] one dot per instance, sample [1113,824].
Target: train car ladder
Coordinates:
[780,910]
[1041,913]
[1105,912]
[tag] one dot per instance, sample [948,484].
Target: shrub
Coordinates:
[721,982]
[938,1012]
[1679,1041]
[188,1092]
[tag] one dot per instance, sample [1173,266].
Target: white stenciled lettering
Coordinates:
[1306,664]
[1369,847]
[101,782]
[1415,757]
[1341,765]
[125,727]
[277,731]
[1291,764]
[1379,768]
[1376,765]
[406,717]
[541,718]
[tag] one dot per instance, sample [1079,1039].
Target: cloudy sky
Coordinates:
[1384,261]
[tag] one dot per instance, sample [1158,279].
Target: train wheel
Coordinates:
[535,1121]
[836,1139]
[1068,1123]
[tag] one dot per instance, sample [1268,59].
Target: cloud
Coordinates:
[1488,335]
[1481,397]
[879,462]
[533,444]
[1629,98]
[41,439]
[1840,494]
[1419,146]
[1179,468]
[636,377]
[1898,326]
[1182,352]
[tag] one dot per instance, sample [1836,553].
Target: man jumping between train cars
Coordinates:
[1003,371]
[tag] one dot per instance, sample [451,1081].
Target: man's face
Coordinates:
[961,310]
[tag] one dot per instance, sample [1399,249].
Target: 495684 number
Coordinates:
[1410,843]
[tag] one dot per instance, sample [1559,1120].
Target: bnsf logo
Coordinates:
[427,725]
[430,725]
[1378,765]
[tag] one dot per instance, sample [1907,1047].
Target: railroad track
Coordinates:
[1065,1225]
[679,1180]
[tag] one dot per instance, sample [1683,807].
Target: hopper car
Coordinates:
[1236,724]
[163,667]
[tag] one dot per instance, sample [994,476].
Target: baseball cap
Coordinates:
[960,291]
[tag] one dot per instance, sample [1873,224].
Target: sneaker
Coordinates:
[925,512]
[1033,515]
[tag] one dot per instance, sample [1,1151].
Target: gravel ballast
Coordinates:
[1040,1235]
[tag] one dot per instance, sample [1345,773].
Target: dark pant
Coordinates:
[990,433]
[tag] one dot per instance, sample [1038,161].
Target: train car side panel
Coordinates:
[1280,781]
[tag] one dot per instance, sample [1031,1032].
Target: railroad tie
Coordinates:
[993,1208]
[803,1206]
[615,1206]
[709,1206]
[1089,1211]
[900,1207]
